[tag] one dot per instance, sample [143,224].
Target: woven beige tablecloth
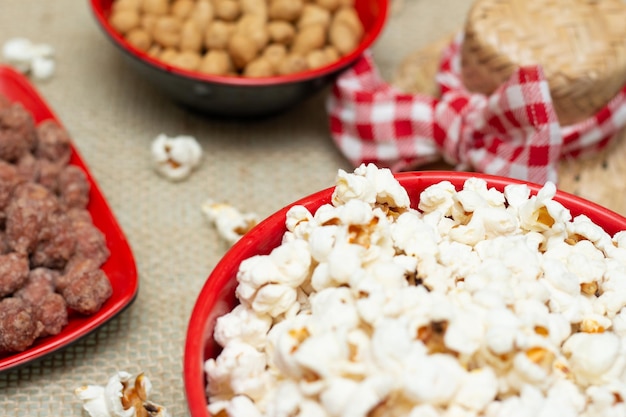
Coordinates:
[113,116]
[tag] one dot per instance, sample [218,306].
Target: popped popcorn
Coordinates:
[231,224]
[124,395]
[175,157]
[477,303]
[30,58]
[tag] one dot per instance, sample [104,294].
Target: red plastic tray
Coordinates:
[120,267]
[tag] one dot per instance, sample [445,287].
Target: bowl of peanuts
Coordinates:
[240,58]
[426,293]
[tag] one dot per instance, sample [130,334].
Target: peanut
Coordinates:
[228,10]
[313,14]
[168,55]
[309,38]
[124,20]
[203,13]
[291,64]
[190,37]
[255,7]
[332,54]
[155,51]
[288,10]
[126,5]
[281,31]
[139,38]
[182,8]
[316,59]
[342,37]
[216,62]
[251,38]
[158,7]
[242,50]
[348,16]
[254,27]
[167,31]
[275,54]
[218,34]
[259,67]
[330,5]
[187,60]
[148,21]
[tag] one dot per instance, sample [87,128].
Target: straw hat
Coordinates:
[580,83]
[580,44]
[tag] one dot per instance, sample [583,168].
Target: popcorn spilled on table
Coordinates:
[230,223]
[475,303]
[124,395]
[36,59]
[176,157]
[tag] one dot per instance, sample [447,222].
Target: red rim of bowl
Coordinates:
[204,309]
[368,39]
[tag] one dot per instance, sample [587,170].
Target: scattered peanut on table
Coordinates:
[251,38]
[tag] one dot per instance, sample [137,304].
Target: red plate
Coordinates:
[120,267]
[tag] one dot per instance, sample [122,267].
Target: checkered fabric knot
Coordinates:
[513,132]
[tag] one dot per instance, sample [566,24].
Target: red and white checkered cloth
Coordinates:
[513,132]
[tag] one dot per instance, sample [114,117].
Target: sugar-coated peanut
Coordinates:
[124,20]
[288,10]
[159,7]
[242,50]
[182,8]
[218,34]
[139,38]
[259,67]
[190,37]
[313,14]
[281,31]
[188,60]
[228,10]
[309,38]
[216,62]
[167,31]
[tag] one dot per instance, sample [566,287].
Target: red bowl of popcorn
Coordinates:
[240,59]
[417,293]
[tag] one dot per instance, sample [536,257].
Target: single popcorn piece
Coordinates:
[593,356]
[370,184]
[124,395]
[479,303]
[30,58]
[243,325]
[231,224]
[176,157]
[241,368]
[42,68]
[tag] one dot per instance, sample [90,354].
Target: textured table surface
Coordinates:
[113,116]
